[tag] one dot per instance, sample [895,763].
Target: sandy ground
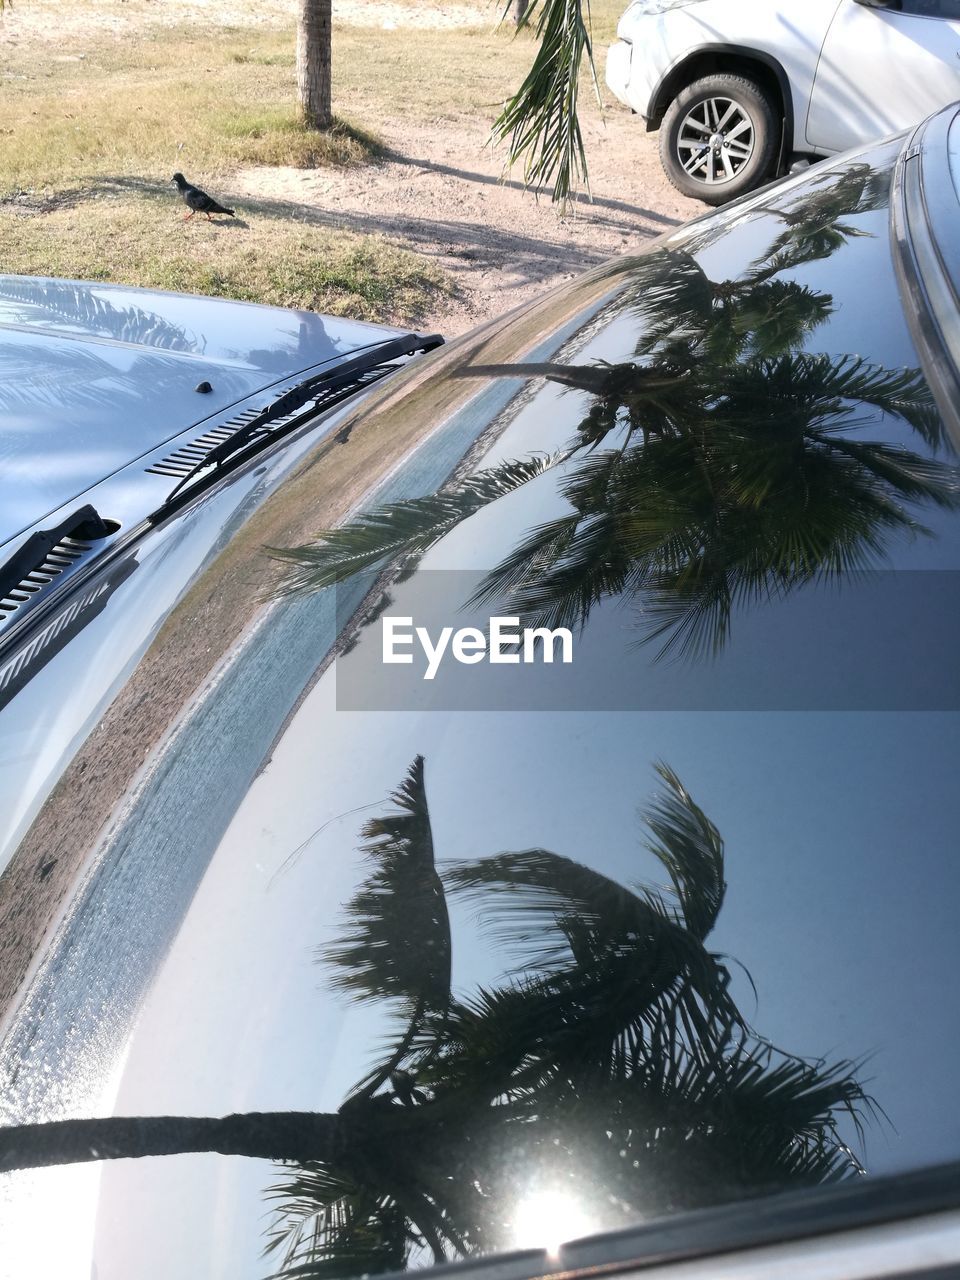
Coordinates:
[441,194]
[55,21]
[441,191]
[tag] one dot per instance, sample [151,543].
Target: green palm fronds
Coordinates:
[724,466]
[736,484]
[689,847]
[540,122]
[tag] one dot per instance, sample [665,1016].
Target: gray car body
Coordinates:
[188,773]
[97,381]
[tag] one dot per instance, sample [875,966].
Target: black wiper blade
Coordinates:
[25,567]
[344,378]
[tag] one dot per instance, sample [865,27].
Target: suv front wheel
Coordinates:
[719,138]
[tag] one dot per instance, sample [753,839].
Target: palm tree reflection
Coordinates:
[612,1076]
[69,305]
[812,226]
[718,468]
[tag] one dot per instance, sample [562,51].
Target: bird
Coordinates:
[197,201]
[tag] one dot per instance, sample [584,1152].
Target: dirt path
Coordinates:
[440,191]
[441,194]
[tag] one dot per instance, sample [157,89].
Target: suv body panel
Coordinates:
[846,73]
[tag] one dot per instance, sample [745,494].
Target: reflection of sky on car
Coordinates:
[46,716]
[839,831]
[92,377]
[822,890]
[819,885]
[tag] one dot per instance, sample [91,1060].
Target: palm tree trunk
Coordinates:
[314,61]
[265,1135]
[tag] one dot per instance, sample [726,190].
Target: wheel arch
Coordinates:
[713,59]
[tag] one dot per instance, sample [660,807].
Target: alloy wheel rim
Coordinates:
[715,141]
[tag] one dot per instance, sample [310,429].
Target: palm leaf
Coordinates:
[899,470]
[408,527]
[540,902]
[395,944]
[692,615]
[327,1227]
[555,577]
[690,848]
[672,295]
[540,120]
[772,318]
[819,379]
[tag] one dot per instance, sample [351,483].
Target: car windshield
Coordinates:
[487,956]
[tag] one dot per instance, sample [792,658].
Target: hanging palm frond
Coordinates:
[532,896]
[540,122]
[326,1227]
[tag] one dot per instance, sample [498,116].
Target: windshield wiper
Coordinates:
[280,417]
[41,558]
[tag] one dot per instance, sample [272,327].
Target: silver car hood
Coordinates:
[94,376]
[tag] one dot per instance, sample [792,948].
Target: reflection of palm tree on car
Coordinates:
[94,310]
[614,1063]
[717,469]
[714,469]
[812,226]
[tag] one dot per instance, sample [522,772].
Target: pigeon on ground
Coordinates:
[197,201]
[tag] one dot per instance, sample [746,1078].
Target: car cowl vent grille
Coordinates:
[181,462]
[61,557]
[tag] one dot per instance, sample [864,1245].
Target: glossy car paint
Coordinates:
[853,73]
[94,378]
[186,785]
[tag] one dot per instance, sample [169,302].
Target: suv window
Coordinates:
[949,9]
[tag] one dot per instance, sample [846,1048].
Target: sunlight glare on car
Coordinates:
[545,1219]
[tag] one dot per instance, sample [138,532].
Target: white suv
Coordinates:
[741,88]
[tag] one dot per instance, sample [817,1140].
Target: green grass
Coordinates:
[274,135]
[207,101]
[83,139]
[142,240]
[148,107]
[92,144]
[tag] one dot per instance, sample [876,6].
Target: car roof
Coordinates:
[95,376]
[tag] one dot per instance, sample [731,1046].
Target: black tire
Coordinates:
[755,124]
